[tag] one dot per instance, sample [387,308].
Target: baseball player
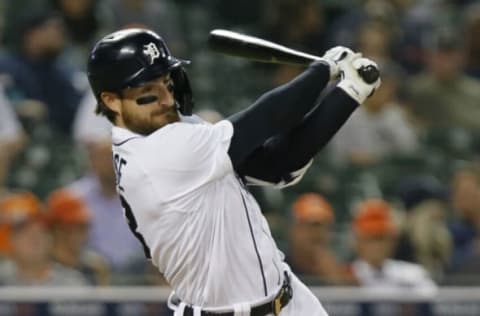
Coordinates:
[183,182]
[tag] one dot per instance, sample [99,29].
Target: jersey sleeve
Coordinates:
[190,156]
[284,181]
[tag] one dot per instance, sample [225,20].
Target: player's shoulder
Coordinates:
[186,132]
[183,137]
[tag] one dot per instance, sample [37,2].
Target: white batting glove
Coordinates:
[353,84]
[337,57]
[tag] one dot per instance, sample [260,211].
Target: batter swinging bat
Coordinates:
[253,48]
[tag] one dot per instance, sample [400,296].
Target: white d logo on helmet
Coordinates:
[152,50]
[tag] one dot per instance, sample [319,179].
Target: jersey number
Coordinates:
[132,223]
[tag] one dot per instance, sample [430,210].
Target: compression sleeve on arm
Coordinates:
[277,111]
[281,155]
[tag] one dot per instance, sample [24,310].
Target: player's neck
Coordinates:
[119,122]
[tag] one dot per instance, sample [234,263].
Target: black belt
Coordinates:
[272,307]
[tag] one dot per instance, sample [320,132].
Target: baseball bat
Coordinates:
[257,49]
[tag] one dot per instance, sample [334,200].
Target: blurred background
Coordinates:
[387,221]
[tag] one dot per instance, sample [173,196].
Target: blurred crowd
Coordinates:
[392,203]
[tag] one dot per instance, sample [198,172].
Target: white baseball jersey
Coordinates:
[204,231]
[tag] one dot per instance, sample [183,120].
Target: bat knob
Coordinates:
[369,73]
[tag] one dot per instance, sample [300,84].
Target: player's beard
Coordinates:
[145,125]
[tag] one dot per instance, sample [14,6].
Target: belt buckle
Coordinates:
[277,302]
[285,290]
[277,305]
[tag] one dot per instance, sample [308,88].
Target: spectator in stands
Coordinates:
[378,129]
[36,73]
[12,138]
[24,204]
[310,254]
[466,204]
[425,237]
[375,233]
[88,126]
[30,245]
[69,220]
[386,12]
[97,189]
[465,262]
[299,26]
[442,96]
[375,42]
[85,21]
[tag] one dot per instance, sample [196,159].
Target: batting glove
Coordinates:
[353,84]
[339,57]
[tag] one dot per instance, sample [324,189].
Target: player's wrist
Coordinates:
[349,87]
[333,68]
[323,67]
[321,62]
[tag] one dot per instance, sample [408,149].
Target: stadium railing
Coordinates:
[131,300]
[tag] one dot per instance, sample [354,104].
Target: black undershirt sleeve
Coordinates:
[276,112]
[287,152]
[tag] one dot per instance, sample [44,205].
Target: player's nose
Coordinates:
[170,99]
[167,98]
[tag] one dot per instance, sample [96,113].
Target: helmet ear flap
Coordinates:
[182,91]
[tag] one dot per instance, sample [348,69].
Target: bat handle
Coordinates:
[369,73]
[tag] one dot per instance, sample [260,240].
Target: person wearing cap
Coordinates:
[310,254]
[28,244]
[69,220]
[375,234]
[15,207]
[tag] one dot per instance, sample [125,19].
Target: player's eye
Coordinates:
[146,99]
[170,86]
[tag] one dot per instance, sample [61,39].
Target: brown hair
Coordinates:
[104,110]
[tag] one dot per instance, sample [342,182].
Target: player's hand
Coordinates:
[353,84]
[337,57]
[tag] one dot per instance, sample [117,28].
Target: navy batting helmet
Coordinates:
[130,57]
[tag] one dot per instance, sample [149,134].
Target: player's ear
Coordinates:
[112,101]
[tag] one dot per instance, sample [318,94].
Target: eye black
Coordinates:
[146,100]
